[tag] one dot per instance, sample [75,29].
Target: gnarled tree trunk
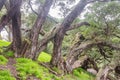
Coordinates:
[56,56]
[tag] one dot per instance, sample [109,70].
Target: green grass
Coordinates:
[82,74]
[44,57]
[8,54]
[27,67]
[4,43]
[5,75]
[3,60]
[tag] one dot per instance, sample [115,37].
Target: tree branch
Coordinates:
[74,53]
[32,8]
[113,46]
[38,26]
[78,25]
[48,16]
[91,1]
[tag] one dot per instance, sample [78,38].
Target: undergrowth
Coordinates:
[82,74]
[5,75]
[4,43]
[27,67]
[3,46]
[44,57]
[3,60]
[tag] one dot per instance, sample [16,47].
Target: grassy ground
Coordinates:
[26,69]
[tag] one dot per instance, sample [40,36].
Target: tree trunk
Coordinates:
[37,27]
[56,56]
[16,24]
[5,19]
[2,2]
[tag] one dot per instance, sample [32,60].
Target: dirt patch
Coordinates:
[11,66]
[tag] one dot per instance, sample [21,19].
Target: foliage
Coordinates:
[5,75]
[3,60]
[9,54]
[4,43]
[27,67]
[82,74]
[44,57]
[105,20]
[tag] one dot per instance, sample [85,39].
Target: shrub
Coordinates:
[44,57]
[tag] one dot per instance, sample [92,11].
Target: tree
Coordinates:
[33,45]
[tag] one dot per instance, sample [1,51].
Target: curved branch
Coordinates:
[32,8]
[78,25]
[50,35]
[74,53]
[38,26]
[113,46]
[48,16]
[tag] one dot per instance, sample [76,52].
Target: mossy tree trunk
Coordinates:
[56,56]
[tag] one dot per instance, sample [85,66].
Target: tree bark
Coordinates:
[56,56]
[16,24]
[5,19]
[103,73]
[2,2]
[37,27]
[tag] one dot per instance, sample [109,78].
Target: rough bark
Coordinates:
[56,56]
[79,63]
[86,45]
[76,51]
[50,35]
[7,17]
[16,24]
[37,27]
[2,2]
[103,73]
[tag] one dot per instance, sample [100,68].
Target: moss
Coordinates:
[44,57]
[3,60]
[4,43]
[5,75]
[9,54]
[27,67]
[82,74]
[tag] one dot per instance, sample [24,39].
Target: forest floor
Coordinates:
[10,67]
[26,69]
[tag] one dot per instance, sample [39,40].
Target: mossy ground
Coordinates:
[6,75]
[27,68]
[3,60]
